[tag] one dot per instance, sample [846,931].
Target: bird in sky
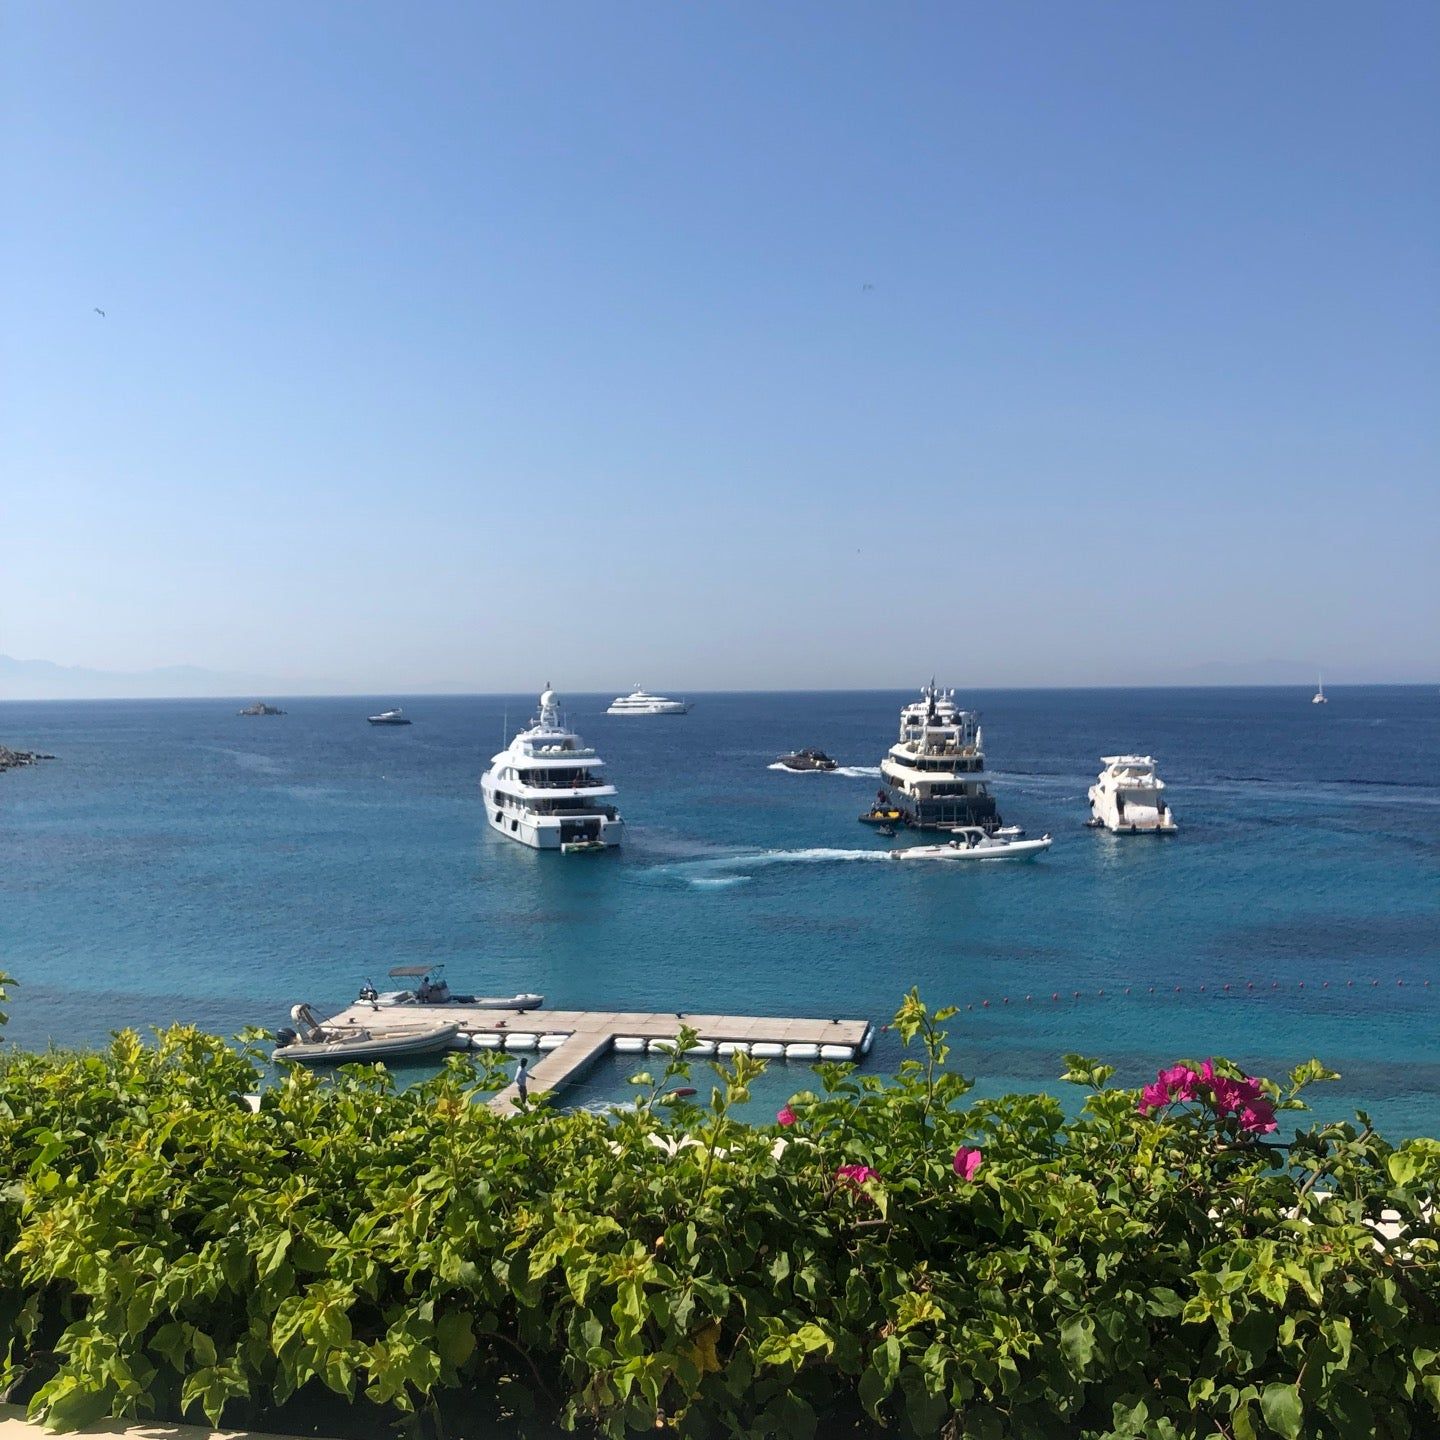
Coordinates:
[99,312]
[867,286]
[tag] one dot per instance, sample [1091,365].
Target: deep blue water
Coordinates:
[179,862]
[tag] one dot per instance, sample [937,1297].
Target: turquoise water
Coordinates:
[179,862]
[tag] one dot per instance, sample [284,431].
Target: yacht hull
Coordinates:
[550,832]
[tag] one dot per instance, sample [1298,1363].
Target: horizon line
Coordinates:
[803,690]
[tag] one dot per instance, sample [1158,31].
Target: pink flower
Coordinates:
[967,1161]
[785,1115]
[1232,1096]
[1154,1097]
[1258,1117]
[856,1175]
[1181,1081]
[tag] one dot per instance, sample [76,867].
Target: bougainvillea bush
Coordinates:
[884,1257]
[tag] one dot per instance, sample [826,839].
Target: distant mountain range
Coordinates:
[45,680]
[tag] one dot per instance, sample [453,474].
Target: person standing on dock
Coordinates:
[522,1079]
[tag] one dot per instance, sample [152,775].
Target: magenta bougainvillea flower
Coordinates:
[785,1115]
[856,1174]
[1243,1099]
[967,1161]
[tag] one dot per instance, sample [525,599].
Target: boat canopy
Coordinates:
[399,971]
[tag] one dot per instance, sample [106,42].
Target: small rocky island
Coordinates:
[260,708]
[14,759]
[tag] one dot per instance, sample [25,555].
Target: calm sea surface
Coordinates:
[179,862]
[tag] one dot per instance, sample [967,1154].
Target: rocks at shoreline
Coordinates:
[14,759]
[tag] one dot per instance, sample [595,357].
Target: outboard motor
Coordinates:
[369,992]
[284,1037]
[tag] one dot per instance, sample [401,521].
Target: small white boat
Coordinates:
[434,989]
[389,717]
[1009,832]
[1318,698]
[637,702]
[324,1044]
[972,843]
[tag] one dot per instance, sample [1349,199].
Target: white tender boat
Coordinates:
[433,989]
[972,843]
[637,702]
[1126,797]
[545,788]
[324,1044]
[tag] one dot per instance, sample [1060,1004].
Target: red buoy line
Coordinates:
[1228,988]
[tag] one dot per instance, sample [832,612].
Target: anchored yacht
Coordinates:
[546,790]
[1126,797]
[935,769]
[637,702]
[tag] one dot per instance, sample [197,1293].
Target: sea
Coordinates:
[179,862]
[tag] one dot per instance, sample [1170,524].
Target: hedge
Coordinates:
[888,1256]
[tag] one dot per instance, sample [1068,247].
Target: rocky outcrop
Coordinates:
[13,759]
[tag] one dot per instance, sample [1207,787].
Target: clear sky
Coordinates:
[481,345]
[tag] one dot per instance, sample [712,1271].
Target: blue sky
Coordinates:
[458,345]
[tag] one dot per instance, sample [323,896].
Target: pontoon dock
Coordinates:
[569,1041]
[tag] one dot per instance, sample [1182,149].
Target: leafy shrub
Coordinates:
[884,1257]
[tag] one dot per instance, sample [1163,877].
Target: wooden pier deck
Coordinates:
[591,1034]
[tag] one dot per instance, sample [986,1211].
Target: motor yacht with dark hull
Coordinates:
[546,789]
[807,760]
[935,770]
[389,717]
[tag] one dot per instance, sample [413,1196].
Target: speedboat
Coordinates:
[888,831]
[389,717]
[1009,832]
[1126,797]
[972,843]
[434,989]
[807,760]
[637,702]
[324,1044]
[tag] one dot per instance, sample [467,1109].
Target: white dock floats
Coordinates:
[564,1043]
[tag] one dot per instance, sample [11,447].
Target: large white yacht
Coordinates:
[637,702]
[1126,797]
[935,769]
[545,788]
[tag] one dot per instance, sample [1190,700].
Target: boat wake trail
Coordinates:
[718,872]
[849,772]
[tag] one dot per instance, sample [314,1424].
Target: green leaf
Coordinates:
[1280,1405]
[1077,1343]
[454,1338]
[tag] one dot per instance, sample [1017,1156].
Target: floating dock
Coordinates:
[567,1042]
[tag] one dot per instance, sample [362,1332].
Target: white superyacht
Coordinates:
[545,788]
[637,702]
[935,769]
[1126,797]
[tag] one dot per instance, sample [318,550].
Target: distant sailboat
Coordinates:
[1318,698]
